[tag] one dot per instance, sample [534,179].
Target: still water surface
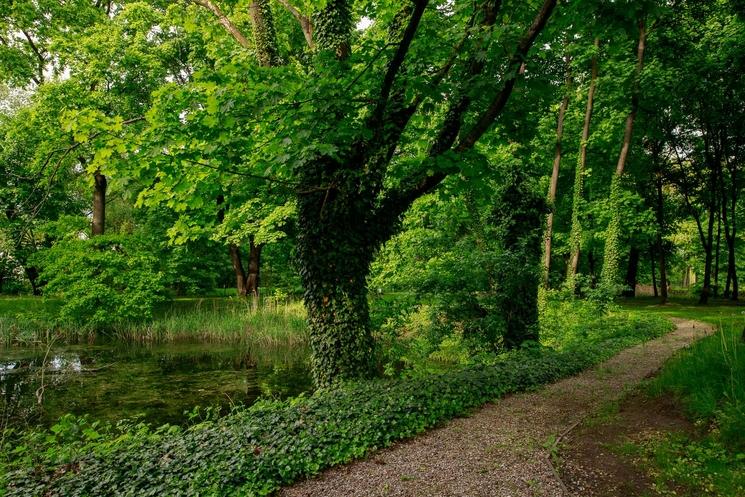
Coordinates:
[113,381]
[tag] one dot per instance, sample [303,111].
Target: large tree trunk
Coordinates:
[554,181]
[339,231]
[254,267]
[98,226]
[575,238]
[335,251]
[631,273]
[609,274]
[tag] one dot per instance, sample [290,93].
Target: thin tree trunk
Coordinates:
[610,258]
[708,244]
[631,273]
[575,239]
[98,226]
[555,180]
[629,128]
[717,251]
[240,273]
[33,277]
[654,273]
[592,268]
[706,290]
[660,232]
[731,261]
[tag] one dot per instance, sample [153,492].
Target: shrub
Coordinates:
[102,280]
[255,450]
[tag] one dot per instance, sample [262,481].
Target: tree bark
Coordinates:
[265,38]
[708,242]
[631,273]
[240,273]
[660,214]
[254,267]
[717,252]
[225,21]
[554,180]
[33,278]
[575,239]
[708,248]
[99,204]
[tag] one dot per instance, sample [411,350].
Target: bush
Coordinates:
[103,280]
[255,450]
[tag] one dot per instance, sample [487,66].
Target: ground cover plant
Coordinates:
[255,450]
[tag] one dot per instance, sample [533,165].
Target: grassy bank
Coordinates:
[709,381]
[255,450]
[30,321]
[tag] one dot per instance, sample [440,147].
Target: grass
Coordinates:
[709,380]
[271,323]
[267,325]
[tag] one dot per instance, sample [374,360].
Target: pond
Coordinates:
[159,383]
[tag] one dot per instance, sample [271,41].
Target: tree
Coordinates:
[609,274]
[579,174]
[555,179]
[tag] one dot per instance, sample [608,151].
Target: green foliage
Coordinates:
[255,450]
[570,323]
[102,281]
[694,468]
[709,378]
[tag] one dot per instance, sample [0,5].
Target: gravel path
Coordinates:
[502,449]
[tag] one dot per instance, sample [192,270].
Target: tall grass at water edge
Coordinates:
[266,324]
[270,322]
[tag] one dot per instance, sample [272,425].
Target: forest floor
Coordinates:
[510,447]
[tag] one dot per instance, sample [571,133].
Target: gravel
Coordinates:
[500,450]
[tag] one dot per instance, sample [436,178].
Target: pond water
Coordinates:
[159,383]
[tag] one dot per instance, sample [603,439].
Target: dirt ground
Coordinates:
[591,457]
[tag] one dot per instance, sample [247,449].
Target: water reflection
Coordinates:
[160,382]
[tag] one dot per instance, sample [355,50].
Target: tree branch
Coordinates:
[225,21]
[497,105]
[396,202]
[398,58]
[304,21]
[39,55]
